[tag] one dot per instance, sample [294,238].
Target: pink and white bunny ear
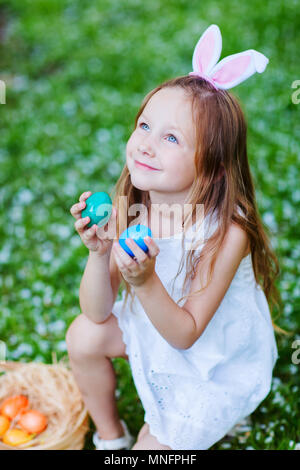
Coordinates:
[232,70]
[207,51]
[236,68]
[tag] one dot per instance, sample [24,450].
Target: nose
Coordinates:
[144,147]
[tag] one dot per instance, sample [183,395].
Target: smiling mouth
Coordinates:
[145,167]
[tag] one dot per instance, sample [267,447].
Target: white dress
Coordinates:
[193,397]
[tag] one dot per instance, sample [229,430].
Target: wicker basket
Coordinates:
[51,389]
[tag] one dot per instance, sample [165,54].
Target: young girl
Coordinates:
[201,366]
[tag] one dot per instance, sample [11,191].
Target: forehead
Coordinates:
[173,107]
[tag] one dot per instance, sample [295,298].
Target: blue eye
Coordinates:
[144,124]
[174,138]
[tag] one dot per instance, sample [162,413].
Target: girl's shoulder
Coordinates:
[212,221]
[242,214]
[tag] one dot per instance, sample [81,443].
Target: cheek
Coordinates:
[177,164]
[131,144]
[129,152]
[181,168]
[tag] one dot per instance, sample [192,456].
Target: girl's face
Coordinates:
[164,139]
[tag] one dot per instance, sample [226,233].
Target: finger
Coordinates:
[85,195]
[123,256]
[136,250]
[89,233]
[80,224]
[77,208]
[101,234]
[153,249]
[113,212]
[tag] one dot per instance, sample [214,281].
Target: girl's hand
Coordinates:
[94,238]
[136,272]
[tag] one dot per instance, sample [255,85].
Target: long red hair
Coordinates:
[222,182]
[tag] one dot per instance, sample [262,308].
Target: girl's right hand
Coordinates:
[94,238]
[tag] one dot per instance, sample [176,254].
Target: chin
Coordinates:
[141,186]
[137,183]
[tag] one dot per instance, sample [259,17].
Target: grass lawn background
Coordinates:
[75,74]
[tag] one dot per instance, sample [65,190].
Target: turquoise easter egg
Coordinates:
[98,209]
[137,233]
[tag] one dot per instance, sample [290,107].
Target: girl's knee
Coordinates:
[84,338]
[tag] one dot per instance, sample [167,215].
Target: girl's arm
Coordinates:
[182,326]
[99,286]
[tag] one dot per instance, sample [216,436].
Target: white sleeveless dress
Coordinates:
[193,397]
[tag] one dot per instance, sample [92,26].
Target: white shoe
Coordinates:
[123,442]
[242,426]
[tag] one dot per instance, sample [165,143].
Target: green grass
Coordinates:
[75,74]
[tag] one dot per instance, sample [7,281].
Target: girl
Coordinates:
[204,365]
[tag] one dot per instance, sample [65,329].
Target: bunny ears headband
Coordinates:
[231,70]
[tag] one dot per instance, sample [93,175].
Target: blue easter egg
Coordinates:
[98,209]
[137,233]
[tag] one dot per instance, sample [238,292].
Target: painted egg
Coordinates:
[98,209]
[137,233]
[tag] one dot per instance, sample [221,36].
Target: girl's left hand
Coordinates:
[136,272]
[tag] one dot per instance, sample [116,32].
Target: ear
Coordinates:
[207,50]
[236,68]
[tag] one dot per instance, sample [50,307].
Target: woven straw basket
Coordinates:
[51,389]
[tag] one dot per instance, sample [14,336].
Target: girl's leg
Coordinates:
[148,442]
[91,347]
